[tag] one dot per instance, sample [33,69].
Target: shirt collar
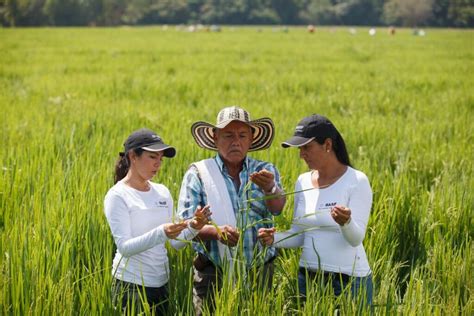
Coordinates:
[223,168]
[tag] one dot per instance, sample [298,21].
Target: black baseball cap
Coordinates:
[148,140]
[309,128]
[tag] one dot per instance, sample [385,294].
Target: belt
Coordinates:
[326,274]
[131,285]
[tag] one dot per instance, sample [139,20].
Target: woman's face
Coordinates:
[314,154]
[148,164]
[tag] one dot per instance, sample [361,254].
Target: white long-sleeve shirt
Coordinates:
[327,245]
[136,220]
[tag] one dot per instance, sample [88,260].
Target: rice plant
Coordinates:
[70,96]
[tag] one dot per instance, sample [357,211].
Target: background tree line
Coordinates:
[457,13]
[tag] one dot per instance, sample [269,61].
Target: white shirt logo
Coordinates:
[161,203]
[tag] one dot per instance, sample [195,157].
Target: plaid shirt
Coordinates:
[250,216]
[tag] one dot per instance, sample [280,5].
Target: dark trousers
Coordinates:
[133,298]
[359,286]
[208,279]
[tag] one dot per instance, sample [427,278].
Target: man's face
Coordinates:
[233,141]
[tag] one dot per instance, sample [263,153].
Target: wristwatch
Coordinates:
[272,191]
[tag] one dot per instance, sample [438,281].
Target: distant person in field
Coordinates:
[226,182]
[139,213]
[331,211]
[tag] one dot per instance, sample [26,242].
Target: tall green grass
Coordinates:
[69,97]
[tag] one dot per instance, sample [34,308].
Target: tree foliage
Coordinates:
[459,13]
[408,12]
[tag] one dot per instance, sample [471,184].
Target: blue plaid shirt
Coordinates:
[250,215]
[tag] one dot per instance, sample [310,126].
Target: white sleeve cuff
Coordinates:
[352,233]
[161,235]
[192,232]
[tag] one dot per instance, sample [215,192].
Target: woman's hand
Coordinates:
[341,214]
[264,179]
[173,230]
[266,236]
[201,217]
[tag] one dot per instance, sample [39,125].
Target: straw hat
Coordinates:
[263,129]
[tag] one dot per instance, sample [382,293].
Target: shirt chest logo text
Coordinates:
[327,205]
[161,203]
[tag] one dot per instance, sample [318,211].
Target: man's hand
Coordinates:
[266,236]
[264,179]
[228,235]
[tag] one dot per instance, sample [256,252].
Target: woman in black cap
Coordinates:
[332,208]
[139,213]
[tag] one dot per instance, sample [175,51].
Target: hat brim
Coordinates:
[263,133]
[168,151]
[296,141]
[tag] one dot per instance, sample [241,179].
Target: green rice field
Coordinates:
[70,96]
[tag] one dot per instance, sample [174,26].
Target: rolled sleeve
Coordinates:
[270,167]
[191,194]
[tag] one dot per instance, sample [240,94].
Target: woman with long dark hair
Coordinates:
[140,214]
[332,208]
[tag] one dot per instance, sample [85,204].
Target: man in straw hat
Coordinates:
[243,194]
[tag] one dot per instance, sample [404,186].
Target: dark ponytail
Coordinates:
[123,164]
[341,151]
[121,167]
[339,147]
